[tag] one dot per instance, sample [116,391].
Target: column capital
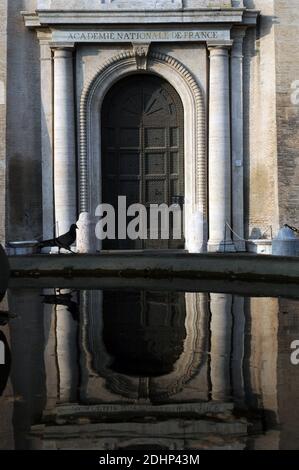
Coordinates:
[219,51]
[67,48]
[220,46]
[238,33]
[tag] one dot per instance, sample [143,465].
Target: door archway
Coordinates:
[143,150]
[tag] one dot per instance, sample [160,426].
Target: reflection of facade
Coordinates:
[207,57]
[231,353]
[144,357]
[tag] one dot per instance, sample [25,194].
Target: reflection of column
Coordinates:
[237,137]
[92,356]
[219,152]
[64,140]
[238,348]
[50,352]
[221,324]
[67,353]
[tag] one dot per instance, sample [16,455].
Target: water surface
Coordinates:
[155,369]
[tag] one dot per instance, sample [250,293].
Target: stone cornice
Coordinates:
[43,18]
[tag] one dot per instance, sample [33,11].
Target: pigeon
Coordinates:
[292,228]
[64,241]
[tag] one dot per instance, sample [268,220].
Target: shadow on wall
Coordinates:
[24,189]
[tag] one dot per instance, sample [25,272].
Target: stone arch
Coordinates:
[192,97]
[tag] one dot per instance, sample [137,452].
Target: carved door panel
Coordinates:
[143,149]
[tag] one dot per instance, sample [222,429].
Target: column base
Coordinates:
[221,247]
[240,245]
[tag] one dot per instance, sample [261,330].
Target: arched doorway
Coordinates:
[143,149]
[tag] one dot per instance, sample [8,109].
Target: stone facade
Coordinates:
[262,145]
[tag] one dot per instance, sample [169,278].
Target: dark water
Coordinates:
[119,369]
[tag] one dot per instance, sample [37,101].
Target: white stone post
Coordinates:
[65,192]
[221,332]
[86,237]
[237,138]
[219,152]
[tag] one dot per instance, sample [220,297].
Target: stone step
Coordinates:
[74,411]
[170,429]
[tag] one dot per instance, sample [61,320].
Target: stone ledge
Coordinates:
[206,15]
[158,265]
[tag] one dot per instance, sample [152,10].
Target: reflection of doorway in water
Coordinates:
[144,332]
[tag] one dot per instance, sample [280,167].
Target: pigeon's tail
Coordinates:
[46,243]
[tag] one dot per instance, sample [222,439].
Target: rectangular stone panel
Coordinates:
[145,35]
[155,163]
[155,137]
[155,191]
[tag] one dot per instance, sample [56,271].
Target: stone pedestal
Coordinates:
[86,237]
[65,178]
[219,152]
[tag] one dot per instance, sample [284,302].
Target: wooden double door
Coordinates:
[143,150]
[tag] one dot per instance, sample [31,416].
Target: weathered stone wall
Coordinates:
[287,71]
[271,126]
[3,67]
[261,202]
[24,211]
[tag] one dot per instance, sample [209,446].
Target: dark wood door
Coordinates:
[143,149]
